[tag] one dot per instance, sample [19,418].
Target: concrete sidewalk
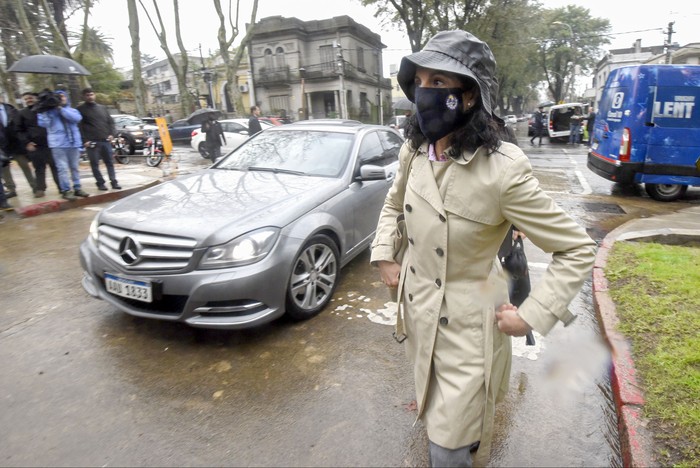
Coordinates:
[678,228]
[132,177]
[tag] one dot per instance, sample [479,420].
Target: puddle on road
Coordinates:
[354,307]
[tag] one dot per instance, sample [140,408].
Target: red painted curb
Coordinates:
[52,206]
[635,440]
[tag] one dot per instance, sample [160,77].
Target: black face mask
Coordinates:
[439,111]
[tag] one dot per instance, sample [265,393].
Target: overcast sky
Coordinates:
[630,19]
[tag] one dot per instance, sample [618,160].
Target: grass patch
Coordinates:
[656,290]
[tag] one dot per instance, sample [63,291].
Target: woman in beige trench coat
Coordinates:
[460,188]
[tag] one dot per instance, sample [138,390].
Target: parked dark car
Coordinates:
[181,131]
[261,233]
[134,131]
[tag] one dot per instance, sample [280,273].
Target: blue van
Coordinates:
[647,129]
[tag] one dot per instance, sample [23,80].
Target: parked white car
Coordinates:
[510,119]
[235,131]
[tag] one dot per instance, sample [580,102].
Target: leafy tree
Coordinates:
[570,43]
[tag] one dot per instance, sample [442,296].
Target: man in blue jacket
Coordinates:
[61,123]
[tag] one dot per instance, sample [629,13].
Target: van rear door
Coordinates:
[622,112]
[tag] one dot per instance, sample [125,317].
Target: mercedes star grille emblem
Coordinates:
[129,250]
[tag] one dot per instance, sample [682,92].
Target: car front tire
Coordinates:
[314,278]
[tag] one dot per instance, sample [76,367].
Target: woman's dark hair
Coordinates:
[479,129]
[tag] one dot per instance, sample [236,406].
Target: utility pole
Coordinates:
[341,74]
[670,32]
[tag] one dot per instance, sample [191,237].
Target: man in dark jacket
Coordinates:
[538,125]
[32,140]
[253,122]
[97,130]
[9,145]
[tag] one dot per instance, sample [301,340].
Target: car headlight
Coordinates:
[244,250]
[138,133]
[94,231]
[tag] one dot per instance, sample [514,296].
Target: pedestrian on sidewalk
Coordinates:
[4,161]
[97,130]
[215,138]
[61,123]
[32,139]
[8,117]
[575,127]
[253,122]
[458,189]
[538,125]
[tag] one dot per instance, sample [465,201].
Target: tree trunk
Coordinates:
[139,86]
[231,65]
[180,71]
[28,34]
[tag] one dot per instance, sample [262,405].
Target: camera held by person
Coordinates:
[47,100]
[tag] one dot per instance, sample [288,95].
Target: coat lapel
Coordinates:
[422,182]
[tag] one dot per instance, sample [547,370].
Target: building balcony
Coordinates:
[273,76]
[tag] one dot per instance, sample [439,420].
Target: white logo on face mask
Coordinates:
[451,102]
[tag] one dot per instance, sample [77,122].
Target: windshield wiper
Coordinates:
[276,170]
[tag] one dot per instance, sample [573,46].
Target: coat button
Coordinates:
[439,252]
[442,218]
[409,208]
[438,283]
[410,240]
[410,297]
[444,321]
[413,270]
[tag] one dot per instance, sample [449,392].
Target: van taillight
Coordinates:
[625,145]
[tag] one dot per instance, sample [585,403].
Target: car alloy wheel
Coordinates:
[314,278]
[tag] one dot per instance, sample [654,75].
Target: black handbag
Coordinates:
[515,263]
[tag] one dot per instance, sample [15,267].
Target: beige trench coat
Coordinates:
[451,282]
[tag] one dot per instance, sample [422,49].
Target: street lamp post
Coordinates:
[573,56]
[302,75]
[208,78]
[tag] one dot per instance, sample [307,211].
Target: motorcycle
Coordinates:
[120,149]
[153,150]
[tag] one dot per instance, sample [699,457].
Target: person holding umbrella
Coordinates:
[215,137]
[458,189]
[61,123]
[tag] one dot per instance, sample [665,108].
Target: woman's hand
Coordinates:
[509,322]
[389,273]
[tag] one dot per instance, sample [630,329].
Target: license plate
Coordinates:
[594,146]
[129,288]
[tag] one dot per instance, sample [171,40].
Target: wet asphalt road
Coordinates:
[84,384]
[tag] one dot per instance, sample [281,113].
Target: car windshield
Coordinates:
[313,153]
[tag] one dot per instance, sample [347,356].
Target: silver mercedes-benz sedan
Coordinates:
[262,232]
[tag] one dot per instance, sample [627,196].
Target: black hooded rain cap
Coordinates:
[458,52]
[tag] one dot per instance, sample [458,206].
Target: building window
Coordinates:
[327,57]
[361,59]
[279,104]
[280,59]
[269,60]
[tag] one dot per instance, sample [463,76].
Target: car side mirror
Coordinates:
[373,172]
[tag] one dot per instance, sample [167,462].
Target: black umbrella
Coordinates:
[48,64]
[404,104]
[200,116]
